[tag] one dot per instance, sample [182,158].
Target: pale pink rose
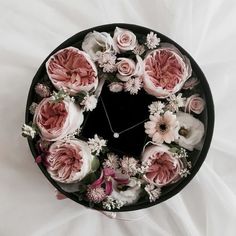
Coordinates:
[69,161]
[195,104]
[163,168]
[56,120]
[190,83]
[116,87]
[166,70]
[125,68]
[72,70]
[124,39]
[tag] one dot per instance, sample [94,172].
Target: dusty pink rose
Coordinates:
[190,83]
[116,87]
[125,68]
[56,120]
[195,104]
[166,70]
[162,168]
[69,161]
[124,39]
[72,70]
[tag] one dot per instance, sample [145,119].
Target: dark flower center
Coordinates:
[183,132]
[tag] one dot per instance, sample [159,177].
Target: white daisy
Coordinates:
[96,144]
[156,107]
[89,102]
[112,161]
[175,102]
[152,41]
[162,127]
[133,85]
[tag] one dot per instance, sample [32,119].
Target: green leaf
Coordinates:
[95,164]
[174,150]
[90,178]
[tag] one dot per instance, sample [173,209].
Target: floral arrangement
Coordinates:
[129,63]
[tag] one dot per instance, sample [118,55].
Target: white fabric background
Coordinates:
[30,30]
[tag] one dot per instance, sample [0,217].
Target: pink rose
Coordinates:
[166,70]
[56,120]
[162,168]
[69,161]
[195,104]
[124,39]
[125,68]
[72,70]
[190,83]
[116,87]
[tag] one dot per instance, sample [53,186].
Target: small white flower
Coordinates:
[110,203]
[152,41]
[133,85]
[139,49]
[153,192]
[184,173]
[175,102]
[112,161]
[189,164]
[32,107]
[28,131]
[182,153]
[129,166]
[71,135]
[89,102]
[107,61]
[61,95]
[156,107]
[96,144]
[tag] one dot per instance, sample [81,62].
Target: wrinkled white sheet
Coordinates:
[30,30]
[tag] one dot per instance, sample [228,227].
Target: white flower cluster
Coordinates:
[96,144]
[61,95]
[28,131]
[127,165]
[153,192]
[184,172]
[33,107]
[181,153]
[110,203]
[72,135]
[107,61]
